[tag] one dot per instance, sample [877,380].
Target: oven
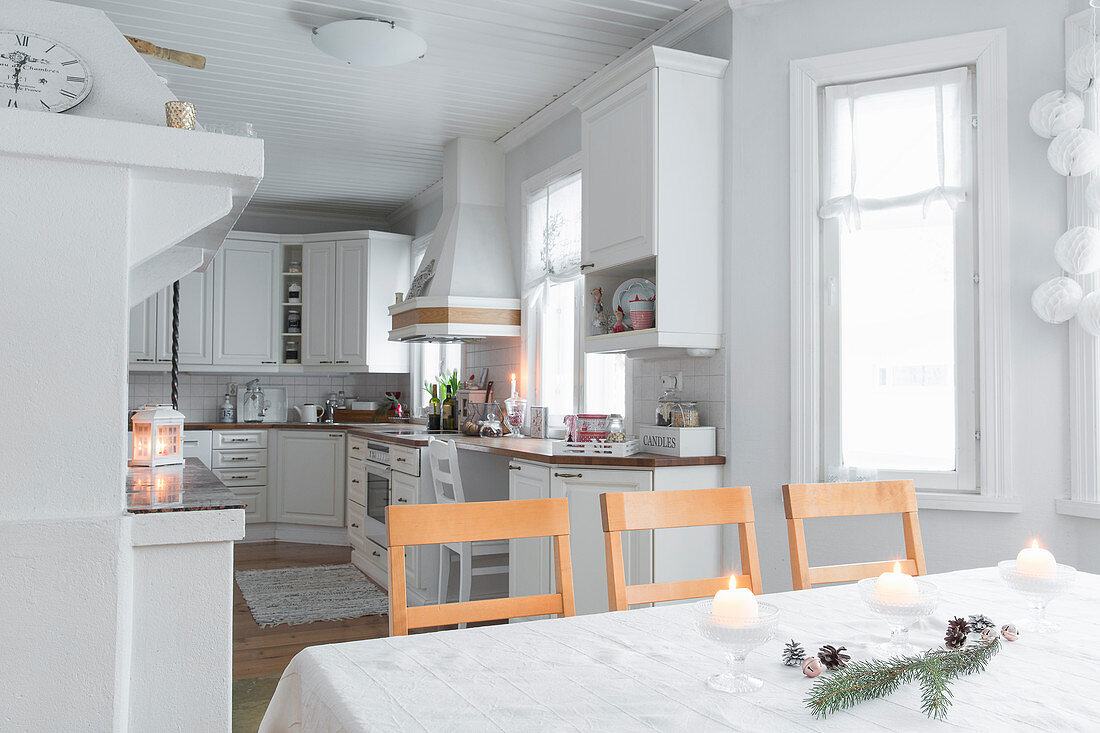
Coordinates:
[378,488]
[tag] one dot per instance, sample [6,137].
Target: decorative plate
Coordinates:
[634,287]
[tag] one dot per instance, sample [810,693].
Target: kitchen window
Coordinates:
[428,360]
[559,374]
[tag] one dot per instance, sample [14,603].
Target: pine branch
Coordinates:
[875,678]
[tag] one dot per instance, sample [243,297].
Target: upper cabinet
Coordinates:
[652,143]
[319,306]
[143,331]
[196,319]
[245,281]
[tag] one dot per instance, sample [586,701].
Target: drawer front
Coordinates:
[357,517]
[403,493]
[357,482]
[377,555]
[239,458]
[357,447]
[242,476]
[240,439]
[255,504]
[405,460]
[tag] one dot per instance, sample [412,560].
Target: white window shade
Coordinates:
[894,144]
[553,237]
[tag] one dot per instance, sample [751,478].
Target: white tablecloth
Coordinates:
[644,670]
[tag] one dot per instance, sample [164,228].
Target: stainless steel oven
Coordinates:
[378,491]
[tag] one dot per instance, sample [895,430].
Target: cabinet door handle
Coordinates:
[590,264]
[375,553]
[568,475]
[269,362]
[144,359]
[357,448]
[353,524]
[239,458]
[400,460]
[514,468]
[343,361]
[355,480]
[238,440]
[324,362]
[403,500]
[239,477]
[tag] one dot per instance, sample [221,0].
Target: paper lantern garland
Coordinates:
[1078,250]
[1056,300]
[1081,69]
[1075,152]
[1055,113]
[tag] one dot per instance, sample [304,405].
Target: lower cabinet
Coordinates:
[310,478]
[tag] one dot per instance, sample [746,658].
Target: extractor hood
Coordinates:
[465,289]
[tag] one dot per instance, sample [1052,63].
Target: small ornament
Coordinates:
[811,667]
[989,634]
[1074,152]
[1055,113]
[1057,300]
[832,657]
[620,317]
[1009,632]
[1078,250]
[599,313]
[957,629]
[979,623]
[793,653]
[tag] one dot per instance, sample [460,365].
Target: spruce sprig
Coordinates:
[874,678]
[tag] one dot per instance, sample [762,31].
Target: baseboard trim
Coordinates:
[295,533]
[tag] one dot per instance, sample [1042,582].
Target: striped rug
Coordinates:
[303,595]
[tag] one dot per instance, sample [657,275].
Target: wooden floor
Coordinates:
[258,651]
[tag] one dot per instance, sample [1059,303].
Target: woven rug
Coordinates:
[303,595]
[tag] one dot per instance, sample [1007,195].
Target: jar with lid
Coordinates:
[674,411]
[616,432]
[293,321]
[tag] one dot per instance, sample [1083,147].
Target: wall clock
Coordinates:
[39,73]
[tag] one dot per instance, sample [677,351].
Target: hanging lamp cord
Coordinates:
[176,345]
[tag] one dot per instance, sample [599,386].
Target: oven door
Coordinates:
[378,498]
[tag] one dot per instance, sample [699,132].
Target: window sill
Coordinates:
[1075,508]
[967,503]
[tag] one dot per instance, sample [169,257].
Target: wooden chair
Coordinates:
[641,510]
[806,501]
[430,524]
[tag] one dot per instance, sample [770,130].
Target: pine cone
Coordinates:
[979,623]
[957,629]
[832,658]
[793,654]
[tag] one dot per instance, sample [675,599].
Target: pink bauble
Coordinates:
[812,667]
[1009,632]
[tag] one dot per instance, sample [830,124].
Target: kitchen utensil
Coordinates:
[308,412]
[275,404]
[639,287]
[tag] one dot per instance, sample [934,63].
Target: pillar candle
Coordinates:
[1035,560]
[736,606]
[896,588]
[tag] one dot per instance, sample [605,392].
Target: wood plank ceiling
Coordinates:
[345,141]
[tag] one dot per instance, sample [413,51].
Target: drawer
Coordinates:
[242,476]
[239,458]
[357,447]
[403,493]
[405,460]
[357,482]
[357,517]
[255,504]
[240,439]
[377,555]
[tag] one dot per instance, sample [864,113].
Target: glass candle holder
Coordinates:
[1039,590]
[516,409]
[738,638]
[899,614]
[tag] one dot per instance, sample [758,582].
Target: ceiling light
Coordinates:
[369,42]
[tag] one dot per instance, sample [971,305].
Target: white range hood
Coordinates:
[465,289]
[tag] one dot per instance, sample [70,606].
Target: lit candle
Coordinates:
[1035,560]
[514,393]
[736,606]
[896,588]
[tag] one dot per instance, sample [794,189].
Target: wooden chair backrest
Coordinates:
[642,510]
[808,501]
[443,458]
[430,524]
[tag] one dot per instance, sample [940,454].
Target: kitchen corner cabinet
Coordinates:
[245,281]
[309,477]
[652,142]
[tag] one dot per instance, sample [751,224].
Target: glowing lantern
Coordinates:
[158,436]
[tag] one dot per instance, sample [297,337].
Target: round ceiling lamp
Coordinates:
[369,42]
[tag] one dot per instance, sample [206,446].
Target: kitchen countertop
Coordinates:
[284,425]
[187,488]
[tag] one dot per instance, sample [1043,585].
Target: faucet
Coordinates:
[330,411]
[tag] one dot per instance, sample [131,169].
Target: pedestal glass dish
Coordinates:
[899,614]
[738,639]
[1039,590]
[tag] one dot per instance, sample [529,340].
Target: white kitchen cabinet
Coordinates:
[529,560]
[196,319]
[390,268]
[350,324]
[319,303]
[143,331]
[245,282]
[310,478]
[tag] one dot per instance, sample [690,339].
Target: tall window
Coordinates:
[899,350]
[559,374]
[428,360]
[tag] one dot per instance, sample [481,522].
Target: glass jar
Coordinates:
[616,431]
[293,321]
[674,411]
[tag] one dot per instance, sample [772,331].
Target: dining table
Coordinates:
[645,669]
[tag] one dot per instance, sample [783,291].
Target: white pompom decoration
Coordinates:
[1056,300]
[1055,113]
[1075,152]
[1088,315]
[1078,250]
[1082,67]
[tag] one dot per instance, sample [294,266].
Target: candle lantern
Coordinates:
[158,436]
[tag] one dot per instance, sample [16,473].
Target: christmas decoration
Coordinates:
[1057,300]
[1078,250]
[874,678]
[1082,67]
[957,630]
[832,657]
[1010,632]
[1055,113]
[811,667]
[989,634]
[979,623]
[793,653]
[1075,152]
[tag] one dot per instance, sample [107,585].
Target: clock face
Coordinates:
[37,73]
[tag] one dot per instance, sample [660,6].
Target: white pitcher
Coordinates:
[308,412]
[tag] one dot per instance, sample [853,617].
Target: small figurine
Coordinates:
[599,315]
[619,326]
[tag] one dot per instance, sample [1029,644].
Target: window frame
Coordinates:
[986,51]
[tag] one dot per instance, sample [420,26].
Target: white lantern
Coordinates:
[1082,67]
[158,436]
[1088,315]
[1055,113]
[1075,152]
[1056,300]
[1078,250]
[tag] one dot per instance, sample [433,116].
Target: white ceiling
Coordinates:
[360,142]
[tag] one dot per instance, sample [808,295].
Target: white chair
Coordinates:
[482,558]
